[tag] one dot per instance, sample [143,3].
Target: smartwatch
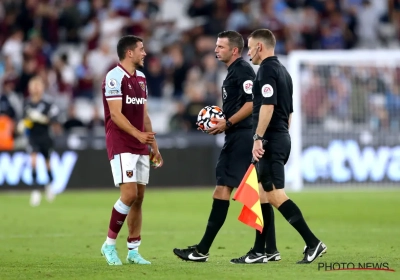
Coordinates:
[257,137]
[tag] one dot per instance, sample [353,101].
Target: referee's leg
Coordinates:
[272,174]
[219,211]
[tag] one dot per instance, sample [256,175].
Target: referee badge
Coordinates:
[248,86]
[267,90]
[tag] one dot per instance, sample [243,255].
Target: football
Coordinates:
[206,114]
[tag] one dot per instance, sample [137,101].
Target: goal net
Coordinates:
[346,123]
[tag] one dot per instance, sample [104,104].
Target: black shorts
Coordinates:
[235,158]
[271,167]
[42,145]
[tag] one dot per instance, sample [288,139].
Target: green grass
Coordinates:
[62,240]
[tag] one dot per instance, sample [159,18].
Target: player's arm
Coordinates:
[154,146]
[37,116]
[148,127]
[113,95]
[115,106]
[53,115]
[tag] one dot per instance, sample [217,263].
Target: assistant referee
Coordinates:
[272,112]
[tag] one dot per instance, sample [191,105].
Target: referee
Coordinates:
[235,156]
[272,112]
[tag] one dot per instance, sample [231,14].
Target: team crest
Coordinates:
[129,173]
[142,86]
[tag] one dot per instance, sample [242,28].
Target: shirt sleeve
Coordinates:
[112,85]
[246,86]
[53,113]
[267,83]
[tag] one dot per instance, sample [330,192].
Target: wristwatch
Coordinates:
[228,124]
[257,137]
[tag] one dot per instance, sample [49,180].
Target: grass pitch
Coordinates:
[62,240]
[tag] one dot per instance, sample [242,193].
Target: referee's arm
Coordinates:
[246,86]
[269,100]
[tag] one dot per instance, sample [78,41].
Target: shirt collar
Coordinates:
[270,58]
[233,63]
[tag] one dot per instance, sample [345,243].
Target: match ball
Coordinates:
[206,114]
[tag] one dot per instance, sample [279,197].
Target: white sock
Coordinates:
[121,207]
[134,245]
[110,241]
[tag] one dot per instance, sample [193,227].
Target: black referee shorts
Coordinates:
[235,158]
[271,167]
[42,145]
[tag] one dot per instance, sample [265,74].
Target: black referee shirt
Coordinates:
[237,90]
[273,86]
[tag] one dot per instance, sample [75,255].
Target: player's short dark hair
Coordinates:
[265,35]
[235,39]
[127,42]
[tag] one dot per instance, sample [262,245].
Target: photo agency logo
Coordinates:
[341,266]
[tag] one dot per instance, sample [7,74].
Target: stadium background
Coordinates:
[344,60]
[71,44]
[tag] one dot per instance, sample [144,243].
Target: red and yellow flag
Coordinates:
[248,194]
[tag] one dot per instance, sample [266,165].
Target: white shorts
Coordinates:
[130,168]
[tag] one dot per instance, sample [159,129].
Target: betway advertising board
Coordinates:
[326,159]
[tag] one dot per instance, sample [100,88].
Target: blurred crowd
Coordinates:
[71,44]
[351,97]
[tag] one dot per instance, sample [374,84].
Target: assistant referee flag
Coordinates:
[248,194]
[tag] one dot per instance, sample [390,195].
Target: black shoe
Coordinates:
[310,254]
[274,257]
[250,258]
[190,254]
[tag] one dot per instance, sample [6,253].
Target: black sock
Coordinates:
[271,238]
[34,176]
[50,176]
[293,215]
[217,218]
[259,242]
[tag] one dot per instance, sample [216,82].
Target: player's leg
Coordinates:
[33,156]
[219,211]
[122,167]
[134,218]
[45,150]
[36,195]
[274,186]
